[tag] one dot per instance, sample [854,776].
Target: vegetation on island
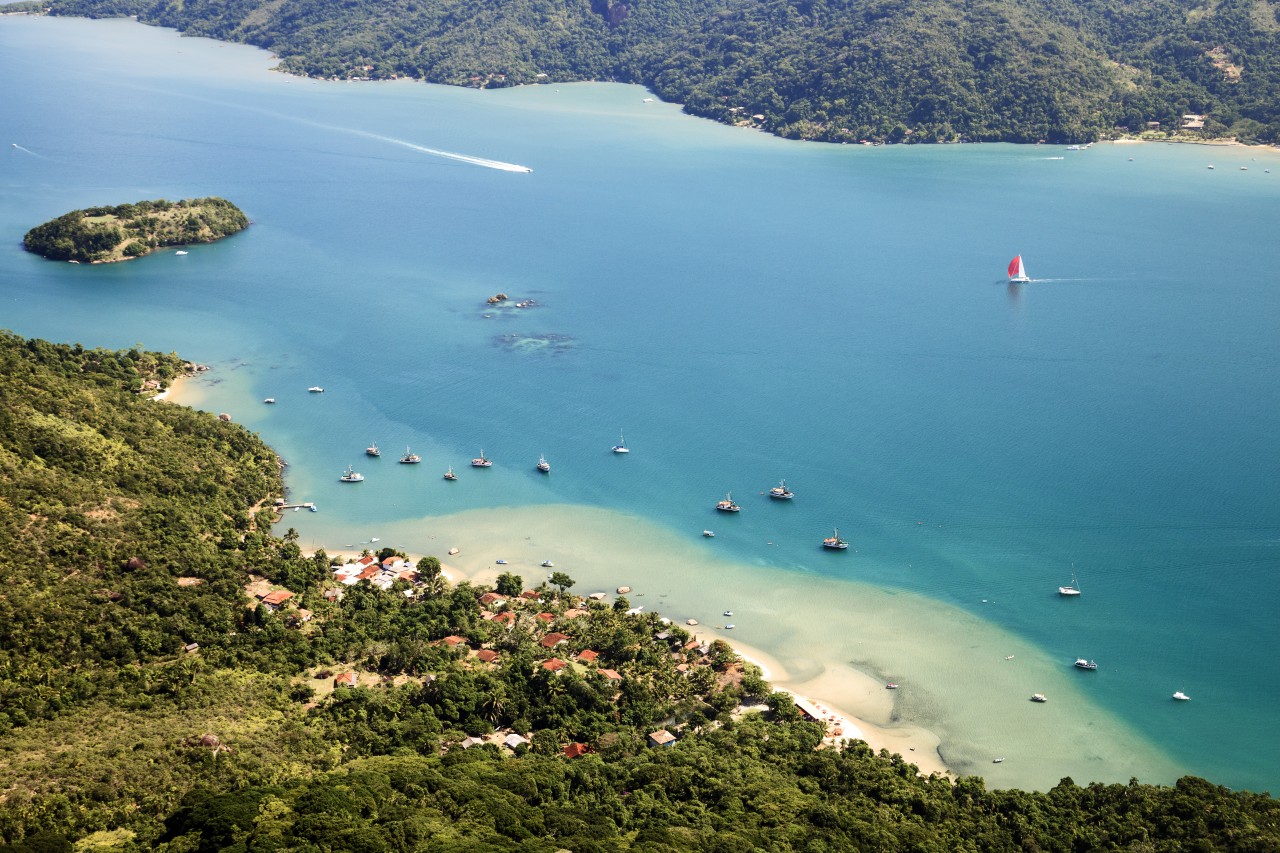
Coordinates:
[831,70]
[104,234]
[175,677]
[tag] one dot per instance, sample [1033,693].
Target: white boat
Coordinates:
[1018,272]
[1181,697]
[1081,663]
[547,564]
[780,492]
[997,760]
[481,462]
[892,685]
[351,476]
[180,252]
[372,450]
[834,542]
[728,613]
[410,458]
[709,534]
[1072,588]
[316,389]
[727,505]
[543,465]
[449,475]
[1039,697]
[621,446]
[730,626]
[270,400]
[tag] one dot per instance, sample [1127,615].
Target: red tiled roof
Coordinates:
[278,597]
[611,675]
[546,617]
[453,640]
[587,655]
[553,639]
[529,594]
[554,665]
[505,617]
[574,750]
[345,679]
[487,655]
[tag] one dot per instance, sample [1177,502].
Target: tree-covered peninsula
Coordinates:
[105,234]
[831,70]
[175,677]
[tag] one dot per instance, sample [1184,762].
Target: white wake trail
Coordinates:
[29,151]
[435,152]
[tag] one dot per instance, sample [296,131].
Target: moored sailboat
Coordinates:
[621,446]
[449,475]
[1072,588]
[1018,272]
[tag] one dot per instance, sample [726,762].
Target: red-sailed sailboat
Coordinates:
[1017,272]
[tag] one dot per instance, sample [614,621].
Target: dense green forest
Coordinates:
[175,677]
[833,70]
[102,234]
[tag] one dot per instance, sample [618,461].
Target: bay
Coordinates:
[746,309]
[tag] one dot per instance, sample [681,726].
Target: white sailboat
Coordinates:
[1072,588]
[1018,272]
[621,446]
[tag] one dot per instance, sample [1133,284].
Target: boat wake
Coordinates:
[28,151]
[435,152]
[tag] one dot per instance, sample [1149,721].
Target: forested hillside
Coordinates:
[834,70]
[104,234]
[174,677]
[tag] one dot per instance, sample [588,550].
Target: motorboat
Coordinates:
[481,462]
[727,505]
[543,465]
[892,685]
[351,476]
[269,400]
[1081,663]
[372,450]
[728,613]
[547,564]
[449,475]
[780,492]
[997,760]
[834,542]
[1181,697]
[315,389]
[410,458]
[1039,697]
[709,534]
[501,562]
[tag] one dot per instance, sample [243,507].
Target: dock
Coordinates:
[308,505]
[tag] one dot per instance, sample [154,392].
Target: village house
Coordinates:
[554,639]
[554,665]
[486,656]
[273,600]
[575,750]
[587,656]
[661,737]
[345,679]
[610,675]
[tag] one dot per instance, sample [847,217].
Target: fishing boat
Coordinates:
[449,475]
[543,465]
[780,492]
[834,542]
[1181,697]
[410,458]
[481,462]
[727,505]
[1017,272]
[1072,588]
[372,450]
[621,446]
[351,476]
[1039,697]
[1081,663]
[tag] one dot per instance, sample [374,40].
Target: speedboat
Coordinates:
[269,400]
[834,542]
[316,389]
[180,252]
[547,564]
[727,505]
[997,760]
[501,562]
[351,476]
[449,475]
[372,450]
[728,613]
[729,627]
[481,462]
[1181,697]
[781,492]
[543,465]
[410,458]
[1081,663]
[891,686]
[709,534]
[1039,697]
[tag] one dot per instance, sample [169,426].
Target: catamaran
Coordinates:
[1017,272]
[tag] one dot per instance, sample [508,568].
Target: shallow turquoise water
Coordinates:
[746,309]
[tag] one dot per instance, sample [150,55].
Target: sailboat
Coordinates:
[621,446]
[449,475]
[834,542]
[1017,272]
[1072,588]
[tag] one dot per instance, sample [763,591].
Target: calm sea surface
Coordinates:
[746,310]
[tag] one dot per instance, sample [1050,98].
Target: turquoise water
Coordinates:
[746,309]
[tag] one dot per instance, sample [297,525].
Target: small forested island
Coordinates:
[175,677]
[104,234]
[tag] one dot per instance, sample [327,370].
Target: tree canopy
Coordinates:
[99,234]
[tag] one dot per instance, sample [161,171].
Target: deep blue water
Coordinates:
[746,309]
